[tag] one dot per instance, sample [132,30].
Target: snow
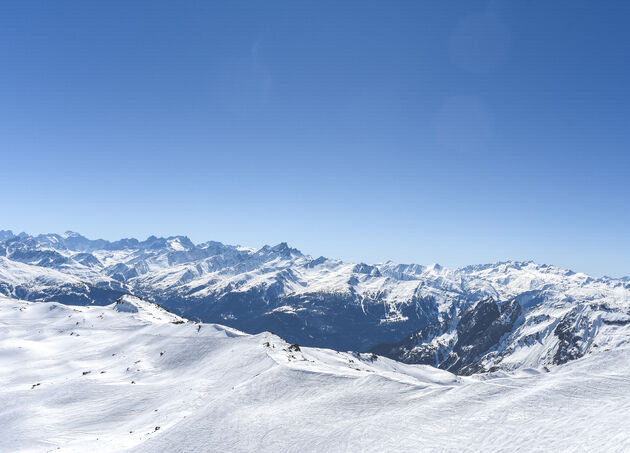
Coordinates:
[104,379]
[144,311]
[16,273]
[402,298]
[213,268]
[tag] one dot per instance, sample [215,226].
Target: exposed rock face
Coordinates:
[459,345]
[479,330]
[574,332]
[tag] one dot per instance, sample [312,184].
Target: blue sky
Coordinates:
[450,132]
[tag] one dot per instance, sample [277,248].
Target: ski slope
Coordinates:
[134,377]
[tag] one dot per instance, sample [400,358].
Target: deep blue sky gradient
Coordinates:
[451,132]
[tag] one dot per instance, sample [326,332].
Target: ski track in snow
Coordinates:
[77,379]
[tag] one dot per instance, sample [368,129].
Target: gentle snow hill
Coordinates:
[133,377]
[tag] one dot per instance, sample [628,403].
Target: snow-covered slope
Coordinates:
[517,314]
[133,377]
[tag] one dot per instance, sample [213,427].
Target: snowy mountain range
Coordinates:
[133,377]
[501,316]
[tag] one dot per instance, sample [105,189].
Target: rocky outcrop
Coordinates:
[459,345]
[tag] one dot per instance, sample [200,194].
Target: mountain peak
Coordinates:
[144,310]
[180,243]
[281,249]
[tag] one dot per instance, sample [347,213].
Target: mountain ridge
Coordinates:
[408,312]
[152,240]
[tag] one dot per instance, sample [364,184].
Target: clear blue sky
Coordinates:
[451,132]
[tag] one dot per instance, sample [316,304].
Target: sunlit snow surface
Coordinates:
[134,377]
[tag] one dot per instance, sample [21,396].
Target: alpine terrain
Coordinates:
[503,316]
[133,377]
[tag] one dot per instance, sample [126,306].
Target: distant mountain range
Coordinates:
[500,316]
